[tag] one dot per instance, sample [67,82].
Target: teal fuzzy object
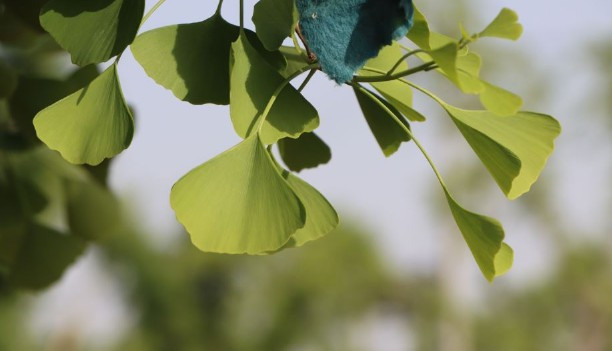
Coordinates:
[344,34]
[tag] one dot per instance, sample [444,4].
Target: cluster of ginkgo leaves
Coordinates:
[243,200]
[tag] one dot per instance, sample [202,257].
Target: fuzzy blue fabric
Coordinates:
[344,34]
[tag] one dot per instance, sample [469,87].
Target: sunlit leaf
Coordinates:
[92,31]
[192,60]
[295,60]
[307,151]
[274,21]
[388,133]
[253,83]
[484,236]
[321,218]
[513,148]
[90,125]
[238,202]
[395,92]
[505,25]
[499,100]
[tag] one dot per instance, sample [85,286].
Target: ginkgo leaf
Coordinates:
[192,60]
[446,57]
[394,91]
[484,236]
[274,21]
[92,31]
[505,26]
[321,218]
[238,202]
[89,125]
[500,101]
[296,60]
[513,148]
[307,151]
[388,132]
[39,255]
[93,212]
[253,83]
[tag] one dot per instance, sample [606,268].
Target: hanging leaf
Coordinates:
[484,236]
[39,255]
[92,31]
[253,82]
[296,60]
[321,218]
[90,125]
[344,34]
[192,60]
[238,202]
[274,21]
[505,26]
[500,101]
[513,148]
[388,133]
[307,151]
[395,92]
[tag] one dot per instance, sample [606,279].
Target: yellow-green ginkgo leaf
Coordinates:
[395,92]
[238,202]
[92,31]
[513,148]
[484,236]
[89,125]
[307,151]
[253,83]
[505,26]
[500,101]
[321,218]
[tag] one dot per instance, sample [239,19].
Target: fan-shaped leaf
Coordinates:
[388,133]
[238,202]
[274,21]
[307,151]
[253,82]
[505,26]
[92,31]
[90,125]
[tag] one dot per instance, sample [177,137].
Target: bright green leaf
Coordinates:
[321,218]
[395,92]
[238,202]
[296,60]
[505,25]
[90,125]
[274,21]
[253,83]
[307,151]
[192,60]
[388,132]
[92,31]
[484,236]
[447,58]
[513,148]
[420,33]
[500,101]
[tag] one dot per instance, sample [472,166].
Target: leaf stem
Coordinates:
[308,77]
[152,10]
[387,77]
[218,11]
[399,62]
[241,15]
[279,89]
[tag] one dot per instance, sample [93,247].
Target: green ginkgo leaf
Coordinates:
[388,132]
[89,125]
[447,59]
[93,212]
[484,236]
[394,91]
[513,148]
[296,60]
[500,101]
[274,21]
[505,26]
[238,202]
[39,255]
[253,83]
[192,60]
[307,151]
[321,218]
[92,31]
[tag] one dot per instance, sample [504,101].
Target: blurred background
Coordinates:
[396,275]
